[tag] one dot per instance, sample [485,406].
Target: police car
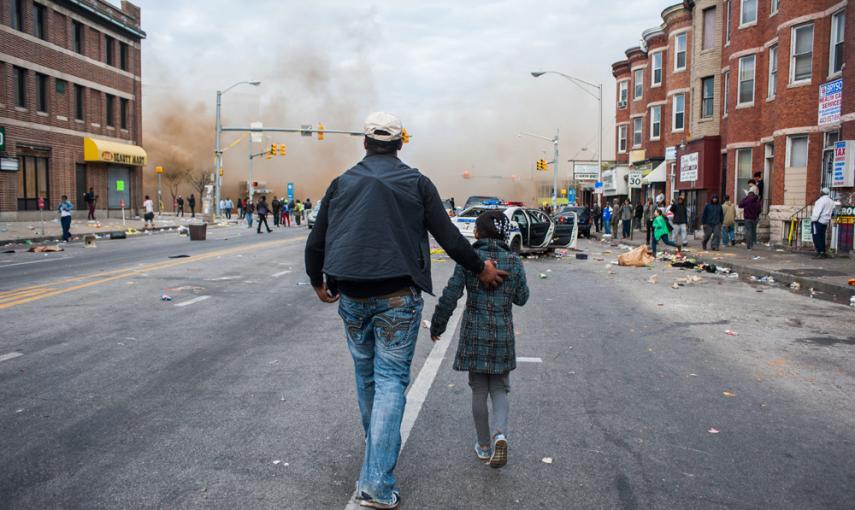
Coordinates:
[531,230]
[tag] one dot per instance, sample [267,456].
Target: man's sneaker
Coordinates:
[482,453]
[500,451]
[370,503]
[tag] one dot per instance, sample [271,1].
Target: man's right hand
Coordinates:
[325,295]
[491,277]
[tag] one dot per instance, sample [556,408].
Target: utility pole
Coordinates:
[555,174]
[218,155]
[249,172]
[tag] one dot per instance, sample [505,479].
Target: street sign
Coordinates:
[635,177]
[571,196]
[2,139]
[120,185]
[122,204]
[290,191]
[306,130]
[41,203]
[256,133]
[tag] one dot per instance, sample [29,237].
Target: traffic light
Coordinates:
[274,149]
[281,149]
[542,165]
[320,130]
[221,172]
[405,136]
[158,169]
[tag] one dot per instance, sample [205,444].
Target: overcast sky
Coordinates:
[456,73]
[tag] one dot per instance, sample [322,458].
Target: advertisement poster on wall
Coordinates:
[830,102]
[689,167]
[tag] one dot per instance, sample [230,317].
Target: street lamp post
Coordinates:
[218,149]
[582,84]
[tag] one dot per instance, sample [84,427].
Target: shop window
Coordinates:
[79,94]
[744,172]
[725,86]
[638,85]
[41,92]
[678,122]
[110,110]
[802,54]
[707,97]
[32,182]
[77,37]
[123,56]
[655,122]
[623,93]
[123,113]
[838,24]
[797,151]
[20,79]
[748,12]
[109,50]
[39,21]
[746,79]
[17,14]
[656,72]
[680,52]
[636,131]
[622,135]
[709,29]
[773,72]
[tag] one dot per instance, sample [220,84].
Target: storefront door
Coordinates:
[80,186]
[119,186]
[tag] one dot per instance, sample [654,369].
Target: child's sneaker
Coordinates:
[500,451]
[482,453]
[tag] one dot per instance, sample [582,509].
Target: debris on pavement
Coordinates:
[581,256]
[652,279]
[795,285]
[675,285]
[542,276]
[182,256]
[546,460]
[165,297]
[302,283]
[275,462]
[638,257]
[852,282]
[45,249]
[728,394]
[713,430]
[730,332]
[9,251]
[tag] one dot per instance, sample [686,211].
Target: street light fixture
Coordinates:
[586,86]
[218,149]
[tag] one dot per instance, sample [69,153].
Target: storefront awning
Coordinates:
[113,152]
[657,175]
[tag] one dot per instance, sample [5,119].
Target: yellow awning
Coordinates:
[113,152]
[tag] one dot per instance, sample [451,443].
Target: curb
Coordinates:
[75,237]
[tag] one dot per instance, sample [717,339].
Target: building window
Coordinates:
[656,73]
[110,110]
[748,12]
[728,6]
[709,29]
[797,151]
[123,56]
[79,92]
[623,93]
[744,172]
[17,14]
[20,77]
[41,92]
[838,25]
[774,8]
[680,52]
[109,46]
[638,85]
[622,129]
[773,72]
[725,85]
[123,113]
[655,122]
[707,97]
[679,109]
[77,36]
[802,53]
[746,80]
[39,21]
[32,182]
[636,132]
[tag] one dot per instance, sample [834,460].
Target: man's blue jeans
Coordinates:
[727,235]
[607,224]
[381,335]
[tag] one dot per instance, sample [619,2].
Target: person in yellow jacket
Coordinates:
[298,211]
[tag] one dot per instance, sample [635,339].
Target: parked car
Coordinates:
[313,214]
[476,200]
[531,230]
[564,224]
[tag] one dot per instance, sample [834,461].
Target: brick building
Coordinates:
[70,105]
[748,102]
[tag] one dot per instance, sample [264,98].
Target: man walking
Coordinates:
[680,222]
[277,206]
[728,236]
[712,219]
[180,202]
[148,205]
[192,203]
[65,208]
[370,239]
[596,213]
[647,218]
[819,219]
[626,214]
[262,210]
[89,197]
[607,219]
[229,206]
[751,212]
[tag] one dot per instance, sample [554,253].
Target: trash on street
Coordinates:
[638,257]
[45,249]
[165,297]
[546,460]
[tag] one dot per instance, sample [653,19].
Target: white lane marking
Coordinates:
[191,301]
[11,355]
[280,273]
[418,390]
[523,359]
[34,261]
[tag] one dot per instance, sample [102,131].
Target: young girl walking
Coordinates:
[486,345]
[660,232]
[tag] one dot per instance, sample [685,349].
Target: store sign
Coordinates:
[9,164]
[120,185]
[2,139]
[830,102]
[844,214]
[807,233]
[689,167]
[843,166]
[637,155]
[671,153]
[635,177]
[113,152]
[585,171]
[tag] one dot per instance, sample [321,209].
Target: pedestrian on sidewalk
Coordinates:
[616,216]
[626,214]
[191,202]
[712,219]
[263,210]
[680,222]
[819,220]
[607,219]
[298,212]
[180,202]
[381,303]
[307,207]
[728,236]
[286,214]
[486,348]
[90,198]
[660,232]
[276,205]
[639,214]
[240,205]
[597,214]
[647,216]
[148,205]
[750,206]
[249,209]
[222,205]
[65,208]
[229,206]
[758,182]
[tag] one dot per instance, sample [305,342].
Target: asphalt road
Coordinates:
[239,392]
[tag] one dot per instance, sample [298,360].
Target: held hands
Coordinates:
[434,338]
[491,277]
[325,295]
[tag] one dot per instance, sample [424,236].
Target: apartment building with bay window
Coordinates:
[751,102]
[70,105]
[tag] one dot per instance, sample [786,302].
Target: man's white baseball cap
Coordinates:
[383,126]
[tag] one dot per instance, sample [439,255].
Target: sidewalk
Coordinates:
[17,232]
[819,278]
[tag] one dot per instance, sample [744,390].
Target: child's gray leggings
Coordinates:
[498,386]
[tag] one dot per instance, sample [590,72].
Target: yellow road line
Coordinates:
[32,293]
[22,294]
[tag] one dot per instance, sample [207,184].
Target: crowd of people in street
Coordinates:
[257,212]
